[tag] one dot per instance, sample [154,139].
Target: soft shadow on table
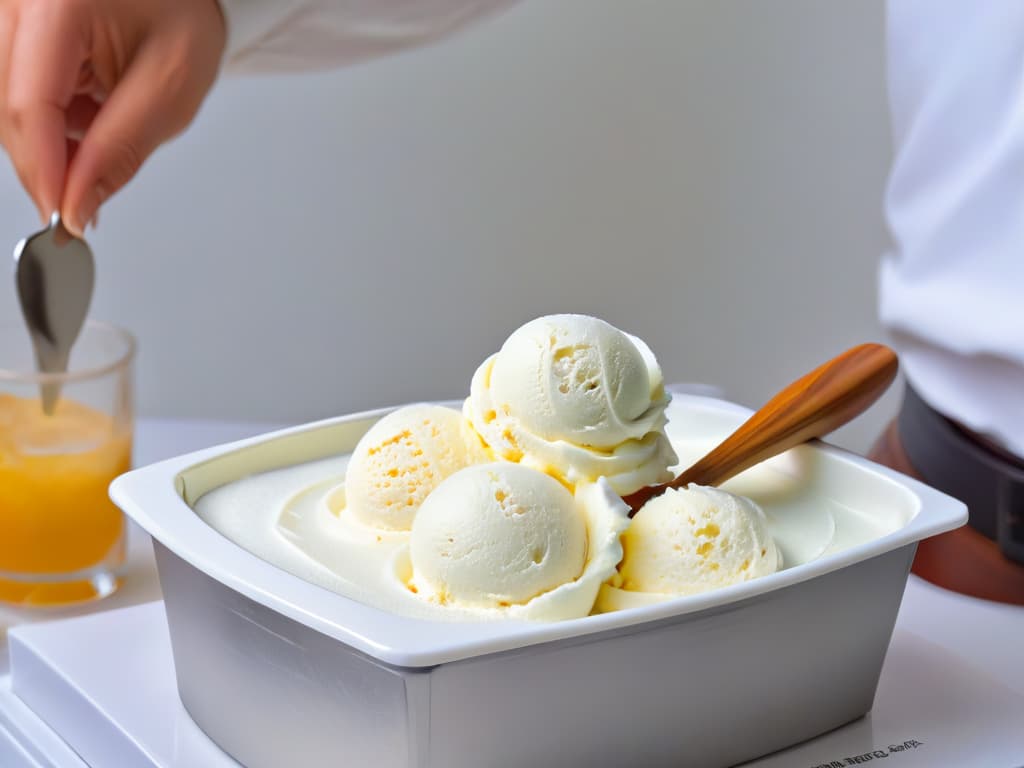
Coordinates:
[932,708]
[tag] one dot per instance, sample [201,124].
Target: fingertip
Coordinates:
[74,220]
[39,170]
[78,214]
[71,225]
[45,207]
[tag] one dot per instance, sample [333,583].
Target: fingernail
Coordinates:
[71,225]
[87,211]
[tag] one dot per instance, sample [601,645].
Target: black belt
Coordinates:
[990,485]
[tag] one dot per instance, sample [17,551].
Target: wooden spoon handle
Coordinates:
[812,406]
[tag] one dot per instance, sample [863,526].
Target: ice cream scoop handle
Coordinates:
[812,406]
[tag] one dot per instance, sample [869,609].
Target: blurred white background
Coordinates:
[707,175]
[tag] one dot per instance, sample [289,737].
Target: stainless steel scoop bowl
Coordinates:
[55,273]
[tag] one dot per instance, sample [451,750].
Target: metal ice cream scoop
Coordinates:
[54,272]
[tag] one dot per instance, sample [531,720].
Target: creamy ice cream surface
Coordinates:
[577,398]
[691,540]
[504,540]
[297,518]
[511,508]
[496,535]
[404,457]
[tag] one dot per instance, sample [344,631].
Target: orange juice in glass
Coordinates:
[61,538]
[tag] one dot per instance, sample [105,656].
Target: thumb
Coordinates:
[43,62]
[154,100]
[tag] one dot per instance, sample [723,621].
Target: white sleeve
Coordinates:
[292,35]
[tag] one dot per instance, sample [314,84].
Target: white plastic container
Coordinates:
[281,672]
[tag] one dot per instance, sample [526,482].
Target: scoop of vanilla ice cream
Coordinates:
[694,539]
[496,535]
[576,397]
[404,457]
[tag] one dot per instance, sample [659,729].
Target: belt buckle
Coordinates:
[1010,517]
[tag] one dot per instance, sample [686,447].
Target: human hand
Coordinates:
[89,88]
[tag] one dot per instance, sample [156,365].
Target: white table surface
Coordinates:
[949,652]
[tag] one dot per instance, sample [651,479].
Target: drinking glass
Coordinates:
[61,538]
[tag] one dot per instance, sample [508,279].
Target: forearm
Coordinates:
[293,35]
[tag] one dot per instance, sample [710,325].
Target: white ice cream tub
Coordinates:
[281,672]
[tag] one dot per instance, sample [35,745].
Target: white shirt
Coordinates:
[951,290]
[952,287]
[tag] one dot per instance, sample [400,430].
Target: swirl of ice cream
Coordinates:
[577,398]
[690,540]
[509,540]
[402,458]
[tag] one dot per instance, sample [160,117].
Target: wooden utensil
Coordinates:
[812,406]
